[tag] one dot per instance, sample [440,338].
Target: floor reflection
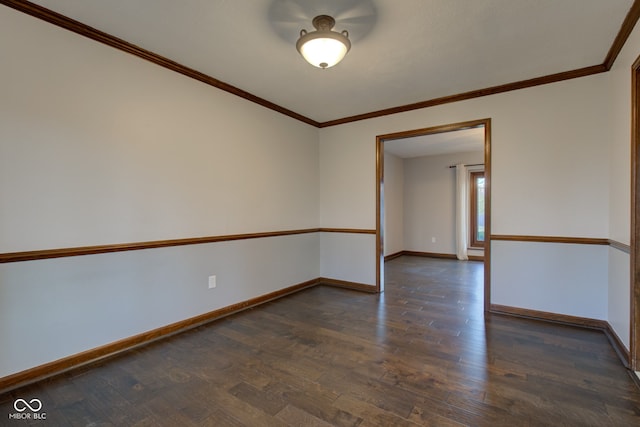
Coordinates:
[451,310]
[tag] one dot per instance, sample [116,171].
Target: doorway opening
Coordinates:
[484,126]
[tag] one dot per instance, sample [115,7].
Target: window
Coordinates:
[476,209]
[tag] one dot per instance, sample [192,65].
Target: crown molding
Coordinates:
[77,27]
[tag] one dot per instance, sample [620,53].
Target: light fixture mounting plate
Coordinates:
[323,22]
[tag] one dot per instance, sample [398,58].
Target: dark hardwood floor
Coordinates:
[422,353]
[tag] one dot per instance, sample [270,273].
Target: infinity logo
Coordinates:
[21,405]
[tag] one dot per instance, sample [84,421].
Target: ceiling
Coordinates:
[403,52]
[434,144]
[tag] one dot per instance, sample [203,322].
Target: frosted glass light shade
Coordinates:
[323,48]
[323,52]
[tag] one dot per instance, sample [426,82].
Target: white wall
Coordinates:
[618,295]
[95,136]
[393,204]
[347,194]
[550,176]
[101,147]
[430,201]
[556,278]
[349,257]
[54,308]
[347,179]
[619,102]
[619,186]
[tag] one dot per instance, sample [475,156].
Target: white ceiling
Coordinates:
[402,52]
[458,141]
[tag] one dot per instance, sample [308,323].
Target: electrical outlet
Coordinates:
[433,240]
[212,282]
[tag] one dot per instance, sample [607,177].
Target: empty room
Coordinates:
[320,213]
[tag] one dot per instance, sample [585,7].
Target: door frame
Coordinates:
[380,141]
[634,257]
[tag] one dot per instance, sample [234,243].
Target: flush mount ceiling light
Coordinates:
[323,48]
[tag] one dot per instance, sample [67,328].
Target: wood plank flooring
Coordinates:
[422,353]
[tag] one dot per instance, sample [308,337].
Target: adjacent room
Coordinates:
[206,221]
[432,208]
